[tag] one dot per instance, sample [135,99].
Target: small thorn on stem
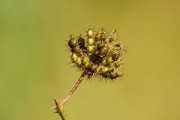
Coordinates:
[59,109]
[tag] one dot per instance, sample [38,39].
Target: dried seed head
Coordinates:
[97,53]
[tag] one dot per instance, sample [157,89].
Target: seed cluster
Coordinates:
[97,53]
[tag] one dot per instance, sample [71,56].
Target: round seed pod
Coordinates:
[100,45]
[74,57]
[112,64]
[115,56]
[90,32]
[90,41]
[103,62]
[98,36]
[90,49]
[117,64]
[72,42]
[79,61]
[113,75]
[109,60]
[103,36]
[96,52]
[86,62]
[103,69]
[76,49]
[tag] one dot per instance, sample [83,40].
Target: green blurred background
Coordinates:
[34,59]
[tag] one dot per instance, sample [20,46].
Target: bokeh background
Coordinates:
[35,65]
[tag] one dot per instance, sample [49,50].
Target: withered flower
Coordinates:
[97,53]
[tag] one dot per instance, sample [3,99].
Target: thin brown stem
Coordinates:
[73,88]
[60,104]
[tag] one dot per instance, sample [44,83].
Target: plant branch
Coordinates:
[60,104]
[73,88]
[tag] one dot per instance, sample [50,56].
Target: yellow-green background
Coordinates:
[34,59]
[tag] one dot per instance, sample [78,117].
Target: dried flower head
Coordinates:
[97,53]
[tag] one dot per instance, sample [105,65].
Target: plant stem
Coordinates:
[73,89]
[60,104]
[59,109]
